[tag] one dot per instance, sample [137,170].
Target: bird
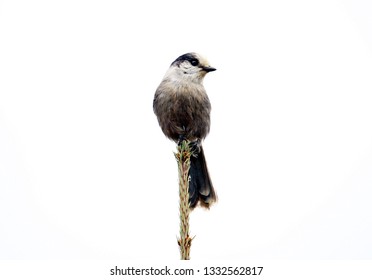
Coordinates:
[182,107]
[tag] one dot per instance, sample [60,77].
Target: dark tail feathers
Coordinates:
[200,186]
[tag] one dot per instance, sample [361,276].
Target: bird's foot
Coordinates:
[181,139]
[195,148]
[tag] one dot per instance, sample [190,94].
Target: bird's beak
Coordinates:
[208,69]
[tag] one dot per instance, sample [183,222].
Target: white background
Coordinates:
[86,173]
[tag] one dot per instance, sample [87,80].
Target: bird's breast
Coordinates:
[182,109]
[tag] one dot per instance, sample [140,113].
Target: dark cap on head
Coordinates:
[187,56]
[195,60]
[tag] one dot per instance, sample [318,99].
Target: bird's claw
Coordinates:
[181,138]
[195,148]
[193,145]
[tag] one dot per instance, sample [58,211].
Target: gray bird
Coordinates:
[183,110]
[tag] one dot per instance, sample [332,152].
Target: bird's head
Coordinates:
[191,66]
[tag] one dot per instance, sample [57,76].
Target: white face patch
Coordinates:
[202,60]
[188,67]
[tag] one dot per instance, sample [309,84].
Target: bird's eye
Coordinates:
[194,62]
